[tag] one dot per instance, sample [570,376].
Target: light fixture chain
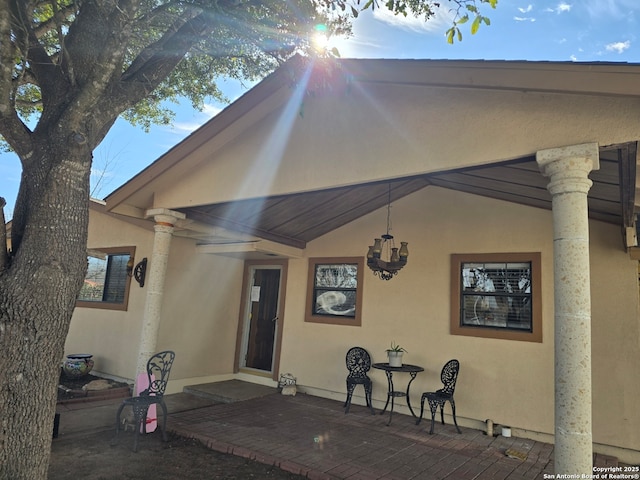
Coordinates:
[396,258]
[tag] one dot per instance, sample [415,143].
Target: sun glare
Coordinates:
[320,39]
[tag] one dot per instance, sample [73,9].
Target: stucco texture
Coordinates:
[370,135]
[510,382]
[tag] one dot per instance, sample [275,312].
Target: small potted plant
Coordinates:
[395,355]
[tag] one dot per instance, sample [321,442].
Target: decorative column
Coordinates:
[568,169]
[165,220]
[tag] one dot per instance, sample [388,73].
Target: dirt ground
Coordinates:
[92,457]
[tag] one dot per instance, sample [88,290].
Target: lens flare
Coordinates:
[320,38]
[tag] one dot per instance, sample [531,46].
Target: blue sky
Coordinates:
[578,30]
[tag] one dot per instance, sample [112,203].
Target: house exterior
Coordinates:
[489,167]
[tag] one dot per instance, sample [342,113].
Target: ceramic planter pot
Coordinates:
[77,365]
[395,359]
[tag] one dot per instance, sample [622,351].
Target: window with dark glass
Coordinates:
[335,291]
[497,295]
[106,284]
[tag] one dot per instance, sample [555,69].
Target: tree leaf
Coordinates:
[450,33]
[475,25]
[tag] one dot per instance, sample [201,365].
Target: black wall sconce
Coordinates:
[139,271]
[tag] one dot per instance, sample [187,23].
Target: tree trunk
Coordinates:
[37,298]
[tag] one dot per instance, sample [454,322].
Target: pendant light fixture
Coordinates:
[383,257]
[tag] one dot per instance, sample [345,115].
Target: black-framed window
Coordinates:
[335,290]
[107,282]
[497,296]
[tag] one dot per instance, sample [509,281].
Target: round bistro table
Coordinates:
[392,393]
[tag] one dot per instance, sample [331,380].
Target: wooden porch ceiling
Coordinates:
[299,218]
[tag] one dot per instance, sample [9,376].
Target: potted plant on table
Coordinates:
[395,355]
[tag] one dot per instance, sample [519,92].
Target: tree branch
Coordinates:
[60,17]
[100,37]
[158,60]
[37,57]
[7,57]
[4,255]
[12,128]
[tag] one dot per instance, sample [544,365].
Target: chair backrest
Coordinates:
[449,376]
[358,362]
[158,369]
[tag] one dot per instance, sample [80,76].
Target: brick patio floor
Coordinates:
[313,437]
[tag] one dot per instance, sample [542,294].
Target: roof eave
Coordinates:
[551,77]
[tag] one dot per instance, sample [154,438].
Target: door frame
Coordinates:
[283,263]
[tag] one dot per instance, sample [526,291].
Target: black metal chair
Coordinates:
[439,398]
[158,369]
[358,363]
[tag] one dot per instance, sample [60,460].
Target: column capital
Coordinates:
[164,215]
[573,157]
[568,167]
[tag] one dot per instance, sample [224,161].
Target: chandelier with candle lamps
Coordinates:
[383,257]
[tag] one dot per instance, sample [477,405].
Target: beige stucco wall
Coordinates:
[111,336]
[199,313]
[615,341]
[369,134]
[510,382]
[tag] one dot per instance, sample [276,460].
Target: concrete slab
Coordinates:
[230,391]
[180,402]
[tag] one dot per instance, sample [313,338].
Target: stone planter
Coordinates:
[77,365]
